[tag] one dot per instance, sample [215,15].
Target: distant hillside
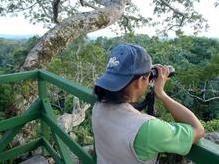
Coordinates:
[15,37]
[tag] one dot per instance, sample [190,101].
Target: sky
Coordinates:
[20,26]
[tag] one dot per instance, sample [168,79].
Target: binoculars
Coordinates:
[154,72]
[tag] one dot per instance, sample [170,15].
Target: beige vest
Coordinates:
[115,127]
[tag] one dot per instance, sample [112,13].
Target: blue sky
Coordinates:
[20,26]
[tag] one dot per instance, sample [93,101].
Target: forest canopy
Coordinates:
[196,61]
[195,85]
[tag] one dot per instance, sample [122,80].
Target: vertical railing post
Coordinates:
[44,131]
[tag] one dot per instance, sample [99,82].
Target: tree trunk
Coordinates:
[69,30]
[63,33]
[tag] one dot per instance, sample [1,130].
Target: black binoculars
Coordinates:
[150,97]
[154,72]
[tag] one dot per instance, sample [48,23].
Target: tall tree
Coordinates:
[67,22]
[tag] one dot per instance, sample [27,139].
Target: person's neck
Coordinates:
[132,96]
[133,100]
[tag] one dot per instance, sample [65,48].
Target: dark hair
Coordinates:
[116,97]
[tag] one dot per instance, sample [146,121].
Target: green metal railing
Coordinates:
[41,109]
[204,152]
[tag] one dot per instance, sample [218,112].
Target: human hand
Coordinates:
[159,83]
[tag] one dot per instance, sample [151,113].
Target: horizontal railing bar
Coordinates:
[19,150]
[28,75]
[51,151]
[204,152]
[74,147]
[71,87]
[9,135]
[17,121]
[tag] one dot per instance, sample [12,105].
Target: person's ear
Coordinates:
[147,78]
[138,83]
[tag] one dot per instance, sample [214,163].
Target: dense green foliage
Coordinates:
[12,56]
[6,97]
[196,83]
[196,61]
[13,53]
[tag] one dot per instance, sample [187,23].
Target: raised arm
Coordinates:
[179,112]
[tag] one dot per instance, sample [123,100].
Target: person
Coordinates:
[123,135]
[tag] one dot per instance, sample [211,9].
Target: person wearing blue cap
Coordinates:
[123,135]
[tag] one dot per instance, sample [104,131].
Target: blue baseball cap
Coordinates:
[126,61]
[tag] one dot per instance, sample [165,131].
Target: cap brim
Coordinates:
[113,82]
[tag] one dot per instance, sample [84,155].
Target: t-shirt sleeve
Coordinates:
[156,136]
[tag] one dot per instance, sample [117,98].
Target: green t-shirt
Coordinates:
[157,136]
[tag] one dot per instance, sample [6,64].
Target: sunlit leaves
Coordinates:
[175,14]
[172,15]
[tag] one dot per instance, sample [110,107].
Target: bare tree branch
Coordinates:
[26,8]
[55,6]
[216,4]
[176,11]
[126,20]
[177,25]
[43,8]
[203,99]
[84,3]
[70,29]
